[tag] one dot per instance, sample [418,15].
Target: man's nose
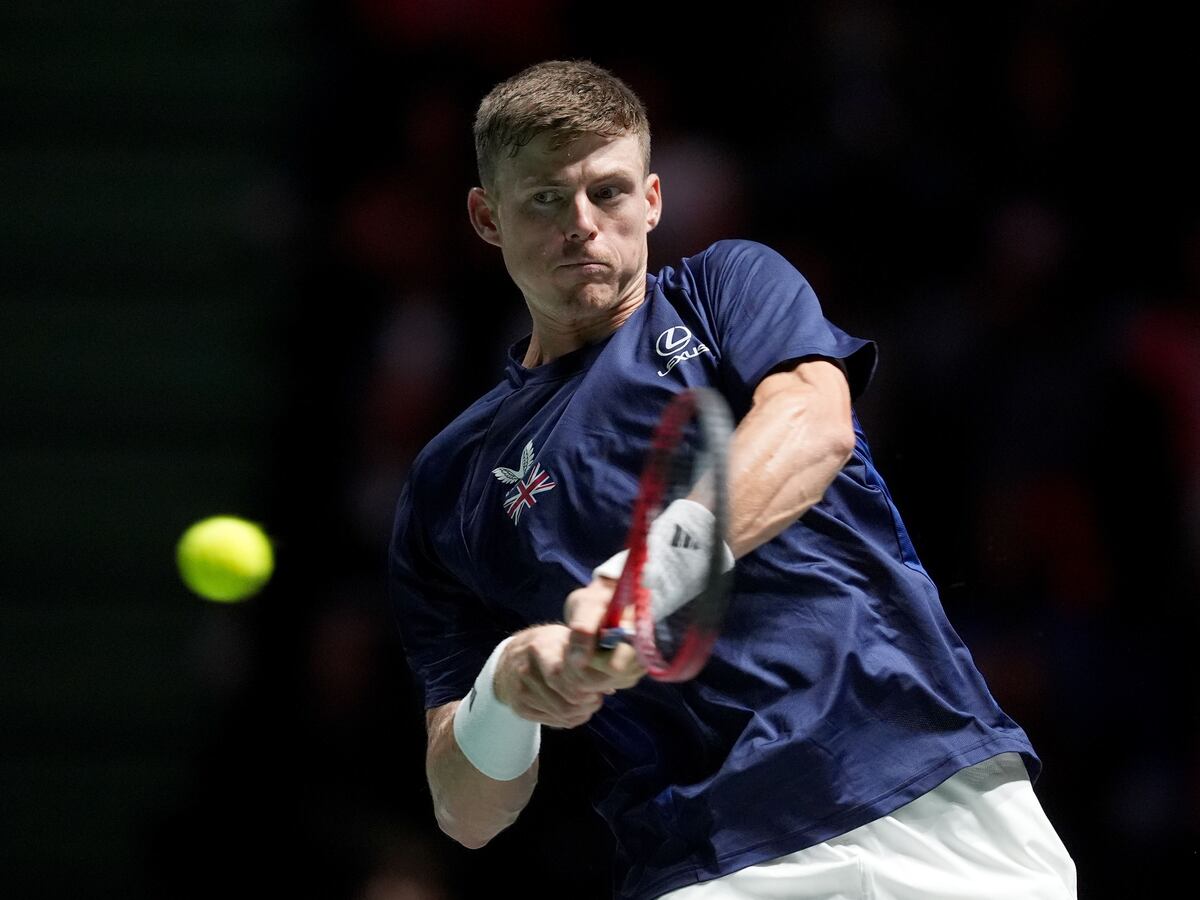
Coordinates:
[581,226]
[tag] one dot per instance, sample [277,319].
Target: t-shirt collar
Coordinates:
[569,363]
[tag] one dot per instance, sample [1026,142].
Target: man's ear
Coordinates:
[653,201]
[483,216]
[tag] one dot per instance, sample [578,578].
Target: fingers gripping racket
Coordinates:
[674,630]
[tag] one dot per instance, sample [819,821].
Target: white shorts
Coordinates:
[980,835]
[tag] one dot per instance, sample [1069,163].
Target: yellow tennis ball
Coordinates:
[225,558]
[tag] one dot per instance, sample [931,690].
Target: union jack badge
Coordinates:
[529,481]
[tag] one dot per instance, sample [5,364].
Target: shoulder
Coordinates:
[449,452]
[737,253]
[727,265]
[731,274]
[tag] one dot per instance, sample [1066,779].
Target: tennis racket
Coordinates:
[688,459]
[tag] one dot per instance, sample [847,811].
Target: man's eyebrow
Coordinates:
[551,181]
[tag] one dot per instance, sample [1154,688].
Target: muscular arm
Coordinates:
[470,807]
[787,450]
[537,681]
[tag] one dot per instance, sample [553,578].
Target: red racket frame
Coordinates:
[700,636]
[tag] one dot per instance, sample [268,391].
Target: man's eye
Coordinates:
[545,197]
[608,193]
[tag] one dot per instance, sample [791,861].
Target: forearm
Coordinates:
[470,807]
[786,452]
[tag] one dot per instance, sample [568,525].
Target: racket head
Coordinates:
[688,458]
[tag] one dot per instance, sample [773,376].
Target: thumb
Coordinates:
[580,647]
[585,610]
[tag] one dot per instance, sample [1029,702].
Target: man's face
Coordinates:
[572,223]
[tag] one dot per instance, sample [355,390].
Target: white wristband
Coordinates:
[493,738]
[676,556]
[612,567]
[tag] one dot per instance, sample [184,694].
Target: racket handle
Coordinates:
[610,637]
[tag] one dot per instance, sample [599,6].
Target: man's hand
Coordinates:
[537,679]
[584,614]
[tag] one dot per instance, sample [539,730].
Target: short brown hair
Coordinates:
[566,97]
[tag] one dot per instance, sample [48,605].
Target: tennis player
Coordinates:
[840,742]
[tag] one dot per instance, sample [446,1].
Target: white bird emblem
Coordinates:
[527,483]
[508,476]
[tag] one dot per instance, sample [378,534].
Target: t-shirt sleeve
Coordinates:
[444,627]
[765,313]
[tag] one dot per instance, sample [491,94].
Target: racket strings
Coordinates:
[687,460]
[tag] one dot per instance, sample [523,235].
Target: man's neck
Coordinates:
[549,340]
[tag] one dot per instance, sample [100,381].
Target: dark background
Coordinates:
[238,278]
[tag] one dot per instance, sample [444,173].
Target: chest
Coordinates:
[550,489]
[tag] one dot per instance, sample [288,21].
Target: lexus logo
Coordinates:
[673,340]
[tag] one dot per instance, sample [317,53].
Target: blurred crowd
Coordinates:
[1004,199]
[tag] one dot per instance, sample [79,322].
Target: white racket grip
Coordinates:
[493,738]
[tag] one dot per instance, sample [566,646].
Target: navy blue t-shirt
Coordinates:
[837,692]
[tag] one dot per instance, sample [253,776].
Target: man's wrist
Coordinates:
[493,738]
[612,567]
[677,556]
